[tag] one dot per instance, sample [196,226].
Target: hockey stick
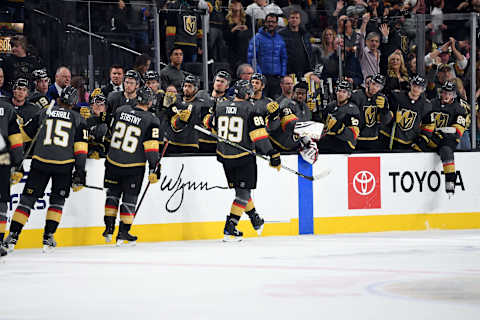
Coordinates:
[394,128]
[93,187]
[35,137]
[148,184]
[253,153]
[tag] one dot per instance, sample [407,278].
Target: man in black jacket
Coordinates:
[299,50]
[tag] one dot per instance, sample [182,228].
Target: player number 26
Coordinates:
[125,137]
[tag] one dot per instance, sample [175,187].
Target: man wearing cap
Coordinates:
[24,109]
[373,107]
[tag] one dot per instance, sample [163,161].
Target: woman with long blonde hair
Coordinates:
[237,33]
[397,74]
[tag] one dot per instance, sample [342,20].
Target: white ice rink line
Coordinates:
[395,275]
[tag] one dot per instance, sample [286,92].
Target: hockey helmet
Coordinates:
[152,75]
[379,78]
[133,74]
[39,74]
[259,76]
[242,88]
[20,82]
[144,95]
[449,86]
[97,96]
[343,85]
[418,81]
[193,80]
[224,74]
[69,96]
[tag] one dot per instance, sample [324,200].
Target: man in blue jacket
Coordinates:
[271,55]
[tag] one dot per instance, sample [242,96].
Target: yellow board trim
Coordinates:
[401,222]
[84,236]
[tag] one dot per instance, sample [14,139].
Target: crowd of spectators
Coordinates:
[286,41]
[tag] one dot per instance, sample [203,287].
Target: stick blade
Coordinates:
[323,173]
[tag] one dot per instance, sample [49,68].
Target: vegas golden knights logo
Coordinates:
[190,25]
[370,115]
[441,119]
[330,122]
[404,43]
[407,119]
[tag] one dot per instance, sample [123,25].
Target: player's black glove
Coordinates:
[275,161]
[78,180]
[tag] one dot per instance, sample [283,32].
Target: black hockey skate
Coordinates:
[450,189]
[125,239]
[108,233]
[3,251]
[257,222]
[10,242]
[49,243]
[231,233]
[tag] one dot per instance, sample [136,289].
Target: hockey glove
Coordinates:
[185,115]
[5,159]
[78,180]
[273,109]
[311,104]
[275,161]
[169,99]
[85,112]
[153,174]
[380,102]
[94,155]
[16,175]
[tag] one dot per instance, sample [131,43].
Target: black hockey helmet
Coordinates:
[449,86]
[259,76]
[39,74]
[97,96]
[343,85]
[224,74]
[379,78]
[152,75]
[20,82]
[242,88]
[144,95]
[193,80]
[418,81]
[133,74]
[69,96]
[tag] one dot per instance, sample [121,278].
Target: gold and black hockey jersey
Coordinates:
[62,138]
[183,25]
[134,138]
[450,121]
[117,99]
[412,118]
[10,131]
[282,137]
[238,122]
[373,112]
[343,122]
[182,133]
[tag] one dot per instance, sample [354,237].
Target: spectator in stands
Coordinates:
[296,5]
[238,32]
[352,72]
[260,9]
[444,55]
[245,71]
[117,16]
[63,76]
[368,52]
[216,43]
[142,64]
[78,82]
[2,81]
[116,80]
[286,84]
[19,64]
[139,26]
[172,74]
[412,64]
[271,54]
[397,74]
[323,51]
[350,35]
[299,50]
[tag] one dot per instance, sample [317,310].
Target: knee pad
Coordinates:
[242,194]
[27,201]
[113,197]
[57,200]
[446,154]
[129,198]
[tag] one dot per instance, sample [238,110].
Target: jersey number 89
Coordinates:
[230,128]
[125,137]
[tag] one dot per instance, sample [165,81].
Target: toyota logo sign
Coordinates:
[364,183]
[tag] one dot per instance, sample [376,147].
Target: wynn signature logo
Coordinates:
[177,187]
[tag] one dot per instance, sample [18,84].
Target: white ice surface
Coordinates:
[397,275]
